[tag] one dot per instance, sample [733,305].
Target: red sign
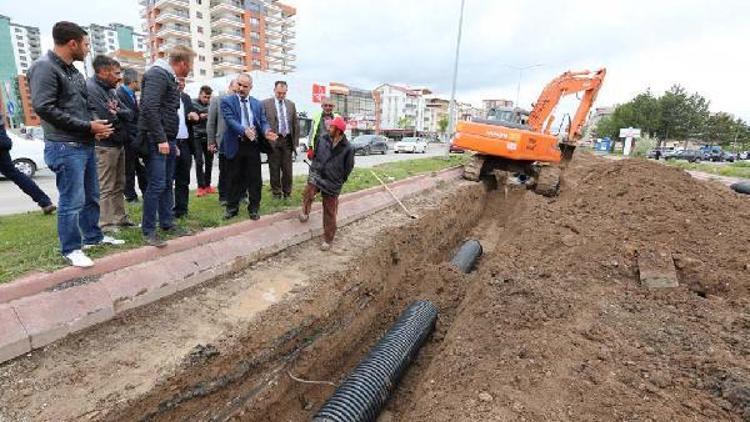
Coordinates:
[318,93]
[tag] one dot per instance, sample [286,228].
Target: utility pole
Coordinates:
[520,70]
[452,107]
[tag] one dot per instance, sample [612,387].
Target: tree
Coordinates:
[682,116]
[404,122]
[720,129]
[443,124]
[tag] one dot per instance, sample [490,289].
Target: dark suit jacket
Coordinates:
[269,106]
[235,132]
[131,124]
[187,107]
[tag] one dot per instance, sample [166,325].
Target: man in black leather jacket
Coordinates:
[60,98]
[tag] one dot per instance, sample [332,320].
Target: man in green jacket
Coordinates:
[320,123]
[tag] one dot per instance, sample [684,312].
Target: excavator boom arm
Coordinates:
[566,84]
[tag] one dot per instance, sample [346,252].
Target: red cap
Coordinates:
[339,123]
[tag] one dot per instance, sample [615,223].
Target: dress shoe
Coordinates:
[49,209]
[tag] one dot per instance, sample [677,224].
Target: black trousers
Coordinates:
[204,163]
[27,185]
[134,168]
[280,167]
[245,176]
[182,178]
[223,178]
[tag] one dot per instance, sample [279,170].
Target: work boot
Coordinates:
[178,231]
[153,239]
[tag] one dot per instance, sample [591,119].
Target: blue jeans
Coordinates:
[159,197]
[74,165]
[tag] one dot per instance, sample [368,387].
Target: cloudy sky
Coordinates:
[700,44]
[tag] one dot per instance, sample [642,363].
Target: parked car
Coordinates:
[744,155]
[411,144]
[691,155]
[27,154]
[369,144]
[664,152]
[728,157]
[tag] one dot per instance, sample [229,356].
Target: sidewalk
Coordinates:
[40,309]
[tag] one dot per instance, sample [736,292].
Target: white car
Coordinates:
[411,144]
[27,154]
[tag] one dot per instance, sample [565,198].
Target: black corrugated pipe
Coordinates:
[467,256]
[364,392]
[741,187]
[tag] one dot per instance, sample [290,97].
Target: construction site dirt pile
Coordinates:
[559,327]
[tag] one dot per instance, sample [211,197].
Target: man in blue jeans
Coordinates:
[10,171]
[157,131]
[58,96]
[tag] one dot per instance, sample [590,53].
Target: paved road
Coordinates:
[12,200]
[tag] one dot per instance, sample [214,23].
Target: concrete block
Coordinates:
[48,317]
[14,341]
[656,268]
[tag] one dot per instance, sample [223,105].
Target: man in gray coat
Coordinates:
[215,131]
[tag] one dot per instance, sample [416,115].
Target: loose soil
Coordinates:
[553,325]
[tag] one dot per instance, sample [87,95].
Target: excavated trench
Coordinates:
[322,333]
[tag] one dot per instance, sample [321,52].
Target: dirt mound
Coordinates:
[559,328]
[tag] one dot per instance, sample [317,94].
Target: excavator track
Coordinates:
[547,180]
[473,168]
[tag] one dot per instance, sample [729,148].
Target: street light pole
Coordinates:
[452,107]
[520,70]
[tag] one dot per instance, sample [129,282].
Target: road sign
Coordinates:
[318,93]
[630,132]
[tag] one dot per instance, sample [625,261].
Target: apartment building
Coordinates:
[229,36]
[19,46]
[120,42]
[399,107]
[437,109]
[496,103]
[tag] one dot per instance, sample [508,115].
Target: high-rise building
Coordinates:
[120,42]
[229,36]
[19,46]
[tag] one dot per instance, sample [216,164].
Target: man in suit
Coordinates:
[134,168]
[186,151]
[215,131]
[247,135]
[282,117]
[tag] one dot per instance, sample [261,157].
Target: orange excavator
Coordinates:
[513,141]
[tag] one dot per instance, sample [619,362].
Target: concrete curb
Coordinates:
[31,317]
[38,282]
